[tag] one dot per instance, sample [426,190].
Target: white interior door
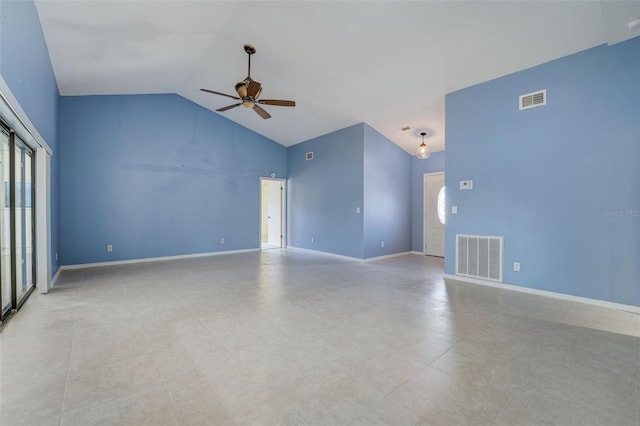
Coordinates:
[274,218]
[272,213]
[264,211]
[433,222]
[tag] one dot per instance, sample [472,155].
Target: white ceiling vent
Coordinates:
[534,99]
[309,156]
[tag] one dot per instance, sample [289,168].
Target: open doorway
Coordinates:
[272,213]
[434,214]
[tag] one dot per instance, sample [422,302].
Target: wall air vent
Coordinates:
[534,99]
[479,256]
[309,156]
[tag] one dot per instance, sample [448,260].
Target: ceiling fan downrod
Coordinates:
[250,51]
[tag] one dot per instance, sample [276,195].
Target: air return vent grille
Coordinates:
[534,99]
[479,256]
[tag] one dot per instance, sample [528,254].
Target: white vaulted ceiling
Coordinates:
[388,64]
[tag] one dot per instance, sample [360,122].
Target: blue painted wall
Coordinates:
[433,164]
[387,196]
[26,68]
[157,175]
[323,193]
[559,182]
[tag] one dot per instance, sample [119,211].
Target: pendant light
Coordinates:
[423,151]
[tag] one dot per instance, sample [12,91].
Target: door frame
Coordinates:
[283,211]
[424,208]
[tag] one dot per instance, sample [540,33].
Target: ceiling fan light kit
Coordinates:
[249,91]
[241,88]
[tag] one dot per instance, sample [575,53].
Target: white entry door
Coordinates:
[434,221]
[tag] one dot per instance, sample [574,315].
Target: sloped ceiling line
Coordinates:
[388,64]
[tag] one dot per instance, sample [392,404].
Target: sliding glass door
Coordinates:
[17,254]
[5,225]
[23,174]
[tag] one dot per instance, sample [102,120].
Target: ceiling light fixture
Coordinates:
[634,25]
[423,151]
[241,88]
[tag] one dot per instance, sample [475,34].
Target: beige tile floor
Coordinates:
[286,337]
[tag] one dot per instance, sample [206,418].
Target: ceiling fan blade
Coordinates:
[261,111]
[253,89]
[277,102]
[218,93]
[228,107]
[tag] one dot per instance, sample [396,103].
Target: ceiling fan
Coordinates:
[248,92]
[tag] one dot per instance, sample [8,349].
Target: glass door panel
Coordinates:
[5,225]
[28,218]
[23,220]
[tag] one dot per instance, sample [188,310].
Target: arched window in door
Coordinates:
[440,206]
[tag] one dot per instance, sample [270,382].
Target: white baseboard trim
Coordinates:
[353,259]
[552,294]
[387,256]
[54,280]
[152,259]
[325,253]
[421,253]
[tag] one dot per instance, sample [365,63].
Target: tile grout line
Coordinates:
[504,407]
[73,338]
[423,369]
[430,365]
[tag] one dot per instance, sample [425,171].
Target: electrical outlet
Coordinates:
[221,240]
[313,239]
[454,209]
[516,266]
[109,247]
[381,243]
[357,210]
